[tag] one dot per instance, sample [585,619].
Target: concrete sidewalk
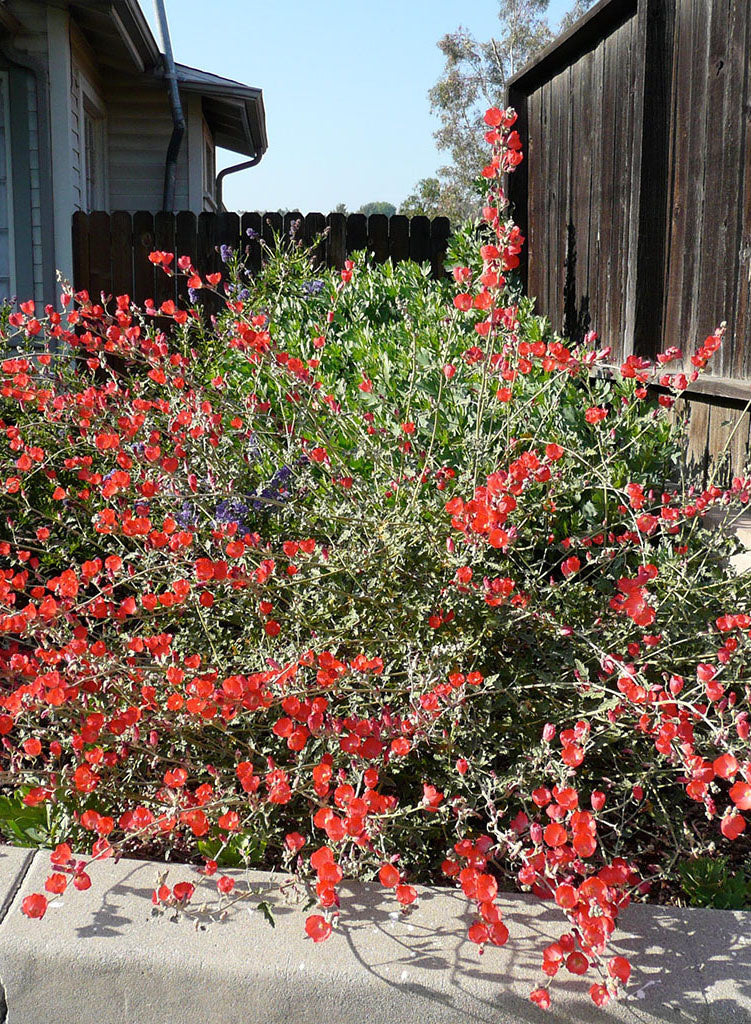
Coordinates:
[101,957]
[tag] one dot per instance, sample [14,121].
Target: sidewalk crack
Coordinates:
[13,892]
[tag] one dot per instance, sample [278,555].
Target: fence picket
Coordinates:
[336,242]
[100,256]
[399,238]
[273,225]
[80,230]
[440,230]
[314,227]
[419,239]
[252,226]
[143,268]
[208,258]
[357,232]
[378,236]
[186,244]
[121,236]
[164,240]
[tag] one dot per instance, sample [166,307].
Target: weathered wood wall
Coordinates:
[635,195]
[111,251]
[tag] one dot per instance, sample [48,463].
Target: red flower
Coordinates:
[541,997]
[577,963]
[740,794]
[406,894]
[571,566]
[595,414]
[733,825]
[62,854]
[56,883]
[599,994]
[34,905]
[620,968]
[431,797]
[317,927]
[183,891]
[566,896]
[726,766]
[294,841]
[389,876]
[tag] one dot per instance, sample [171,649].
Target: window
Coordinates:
[93,162]
[209,169]
[88,137]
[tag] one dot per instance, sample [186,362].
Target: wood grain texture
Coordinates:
[636,187]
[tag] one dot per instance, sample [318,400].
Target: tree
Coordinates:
[474,77]
[386,208]
[435,198]
[579,8]
[341,208]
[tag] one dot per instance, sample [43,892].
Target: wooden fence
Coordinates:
[111,251]
[635,194]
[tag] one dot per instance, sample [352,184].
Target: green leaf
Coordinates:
[266,911]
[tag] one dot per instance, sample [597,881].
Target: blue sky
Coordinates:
[345,87]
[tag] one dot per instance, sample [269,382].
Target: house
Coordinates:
[85,124]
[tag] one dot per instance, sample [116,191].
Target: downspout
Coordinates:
[231,170]
[178,120]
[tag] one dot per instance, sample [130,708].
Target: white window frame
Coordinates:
[93,156]
[91,115]
[208,168]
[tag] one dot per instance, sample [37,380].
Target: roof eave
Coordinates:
[133,19]
[252,114]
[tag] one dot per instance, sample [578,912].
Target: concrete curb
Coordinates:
[101,957]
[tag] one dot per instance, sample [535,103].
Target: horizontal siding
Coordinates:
[139,126]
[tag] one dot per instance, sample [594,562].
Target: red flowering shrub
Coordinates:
[370,579]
